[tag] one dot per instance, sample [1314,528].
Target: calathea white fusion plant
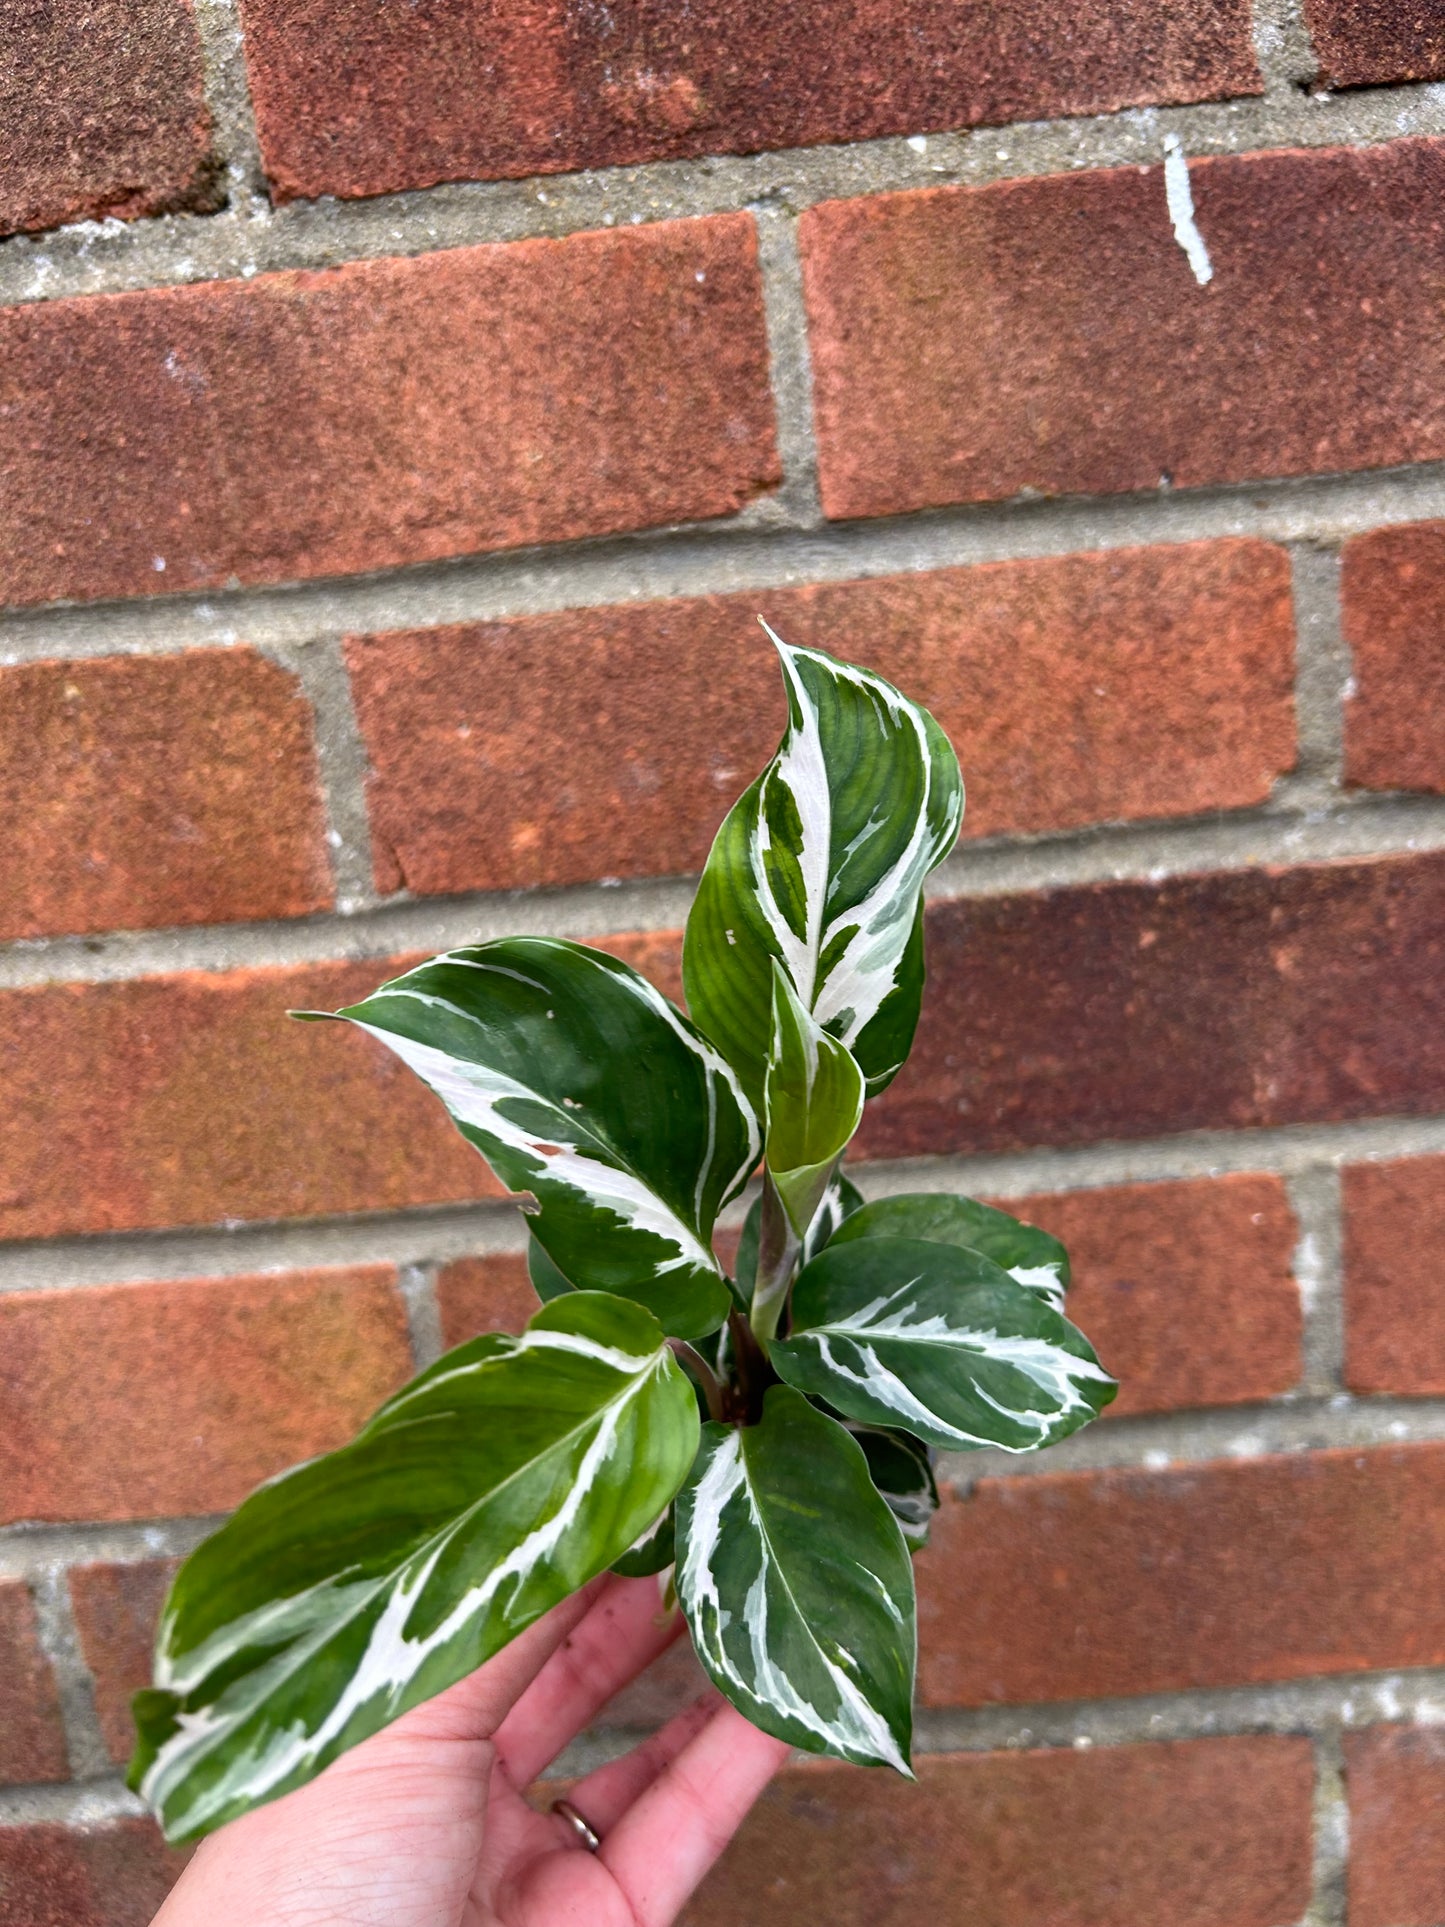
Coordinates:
[768,1435]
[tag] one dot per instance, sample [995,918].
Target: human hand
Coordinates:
[425,1824]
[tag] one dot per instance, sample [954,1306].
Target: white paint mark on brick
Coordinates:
[1308,1271]
[1181,210]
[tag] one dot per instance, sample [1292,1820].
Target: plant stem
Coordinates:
[778,1248]
[706,1377]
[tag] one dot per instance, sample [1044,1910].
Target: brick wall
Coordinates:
[403,414]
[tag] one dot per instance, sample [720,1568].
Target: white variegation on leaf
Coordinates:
[820,865]
[796,1583]
[355,1586]
[939,1341]
[582,1085]
[1031,1257]
[813,1100]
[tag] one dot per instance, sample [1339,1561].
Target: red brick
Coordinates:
[219,1109]
[114,1875]
[1186,1289]
[1198,1833]
[1083,1585]
[32,1740]
[116,1610]
[1393,590]
[355,99]
[121,132]
[1394,1305]
[385,412]
[1118,1010]
[1048,334]
[552,749]
[1396,1781]
[190,1392]
[491,1294]
[157,790]
[1364,43]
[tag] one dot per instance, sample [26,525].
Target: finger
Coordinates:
[661,1847]
[476,1706]
[623,1632]
[606,1793]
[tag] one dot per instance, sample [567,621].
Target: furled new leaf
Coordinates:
[840,1201]
[1030,1256]
[359,1584]
[813,1099]
[940,1341]
[820,865]
[796,1584]
[581,1084]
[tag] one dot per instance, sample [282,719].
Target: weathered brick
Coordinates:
[556,748]
[1082,1585]
[385,412]
[191,1392]
[111,1875]
[1393,589]
[1186,1289]
[1048,334]
[119,133]
[1394,1307]
[491,1294]
[1396,1781]
[32,1740]
[217,1108]
[157,790]
[356,99]
[1198,1833]
[1118,1010]
[1365,43]
[116,1610]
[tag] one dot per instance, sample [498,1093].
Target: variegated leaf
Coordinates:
[820,864]
[652,1552]
[797,1586]
[938,1341]
[813,1100]
[902,1469]
[547,1281]
[1031,1257]
[583,1086]
[357,1585]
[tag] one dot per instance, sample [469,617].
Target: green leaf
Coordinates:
[820,865]
[902,1469]
[813,1099]
[941,1342]
[581,1084]
[1030,1256]
[357,1585]
[653,1552]
[547,1281]
[797,1586]
[840,1201]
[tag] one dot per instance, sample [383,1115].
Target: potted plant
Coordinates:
[768,1436]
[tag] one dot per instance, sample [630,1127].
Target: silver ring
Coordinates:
[565,1810]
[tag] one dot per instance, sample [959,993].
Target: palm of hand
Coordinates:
[425,1825]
